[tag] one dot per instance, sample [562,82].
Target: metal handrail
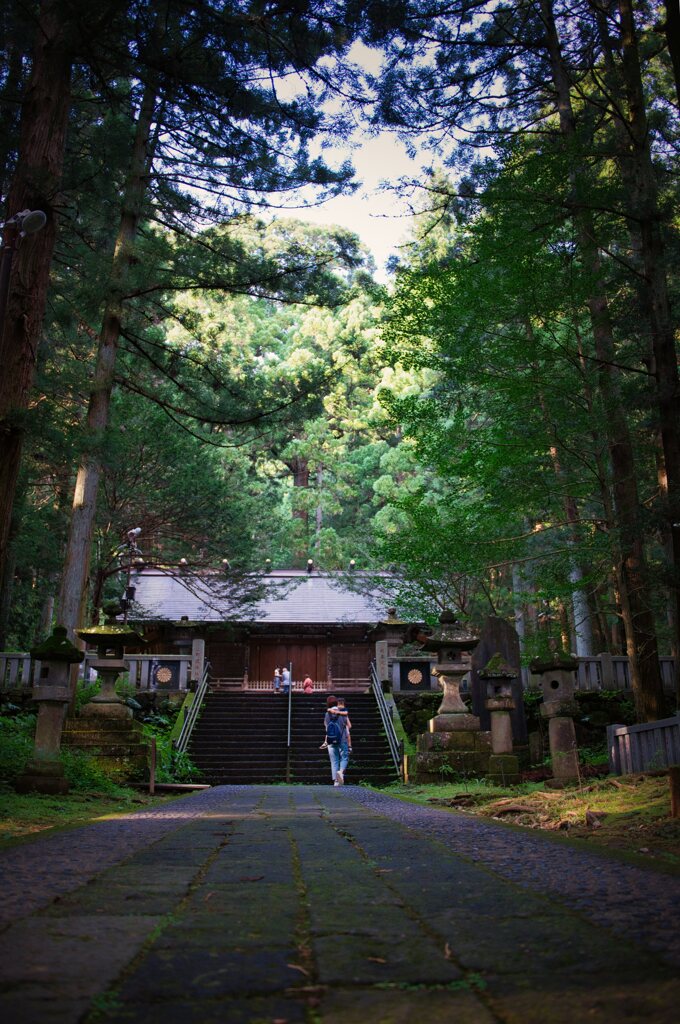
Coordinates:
[182,741]
[290,699]
[396,749]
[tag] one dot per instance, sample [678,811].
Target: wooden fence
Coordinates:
[17,671]
[603,672]
[639,748]
[611,672]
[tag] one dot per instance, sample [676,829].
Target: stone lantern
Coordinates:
[454,743]
[453,644]
[110,641]
[45,772]
[498,677]
[105,727]
[558,681]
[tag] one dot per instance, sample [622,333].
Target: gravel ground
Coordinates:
[631,901]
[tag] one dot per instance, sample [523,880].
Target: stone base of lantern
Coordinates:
[116,744]
[503,769]
[106,709]
[42,777]
[443,755]
[454,723]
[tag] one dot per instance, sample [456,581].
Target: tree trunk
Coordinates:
[73,591]
[319,511]
[10,108]
[583,634]
[35,185]
[645,213]
[673,40]
[635,605]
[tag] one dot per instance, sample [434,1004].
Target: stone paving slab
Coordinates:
[632,901]
[318,905]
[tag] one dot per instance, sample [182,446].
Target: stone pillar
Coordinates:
[197,659]
[500,703]
[557,680]
[389,635]
[44,773]
[454,744]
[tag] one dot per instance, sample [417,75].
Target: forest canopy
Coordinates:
[183,352]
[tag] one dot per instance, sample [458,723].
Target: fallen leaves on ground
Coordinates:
[627,814]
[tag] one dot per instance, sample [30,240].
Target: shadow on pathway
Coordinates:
[275,905]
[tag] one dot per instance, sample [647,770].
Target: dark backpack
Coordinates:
[334,731]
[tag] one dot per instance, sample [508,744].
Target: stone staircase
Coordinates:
[241,739]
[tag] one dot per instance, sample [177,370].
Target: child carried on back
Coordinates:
[340,710]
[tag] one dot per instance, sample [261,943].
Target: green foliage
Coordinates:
[80,770]
[84,774]
[16,744]
[171,764]
[416,709]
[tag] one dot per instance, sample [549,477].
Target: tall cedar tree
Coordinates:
[213,133]
[485,72]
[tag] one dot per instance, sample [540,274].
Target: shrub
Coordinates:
[16,744]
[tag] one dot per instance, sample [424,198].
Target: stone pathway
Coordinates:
[275,905]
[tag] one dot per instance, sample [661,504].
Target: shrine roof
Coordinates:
[294,597]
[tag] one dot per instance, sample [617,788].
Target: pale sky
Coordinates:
[379,218]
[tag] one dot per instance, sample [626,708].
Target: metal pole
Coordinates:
[152,768]
[290,696]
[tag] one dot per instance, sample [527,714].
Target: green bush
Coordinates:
[416,709]
[17,734]
[85,775]
[171,765]
[16,744]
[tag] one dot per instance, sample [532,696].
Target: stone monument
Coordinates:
[44,773]
[454,744]
[499,637]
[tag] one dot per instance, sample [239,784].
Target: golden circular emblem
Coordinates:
[163,675]
[415,677]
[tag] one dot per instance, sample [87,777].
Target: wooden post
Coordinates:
[674,779]
[152,768]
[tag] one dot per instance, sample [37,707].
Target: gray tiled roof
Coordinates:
[293,597]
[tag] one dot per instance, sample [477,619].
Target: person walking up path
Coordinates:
[216,908]
[336,741]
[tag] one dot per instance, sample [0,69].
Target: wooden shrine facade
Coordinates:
[312,624]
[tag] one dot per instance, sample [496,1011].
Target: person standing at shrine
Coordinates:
[277,679]
[285,678]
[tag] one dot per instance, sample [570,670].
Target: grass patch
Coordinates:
[630,814]
[24,816]
[93,794]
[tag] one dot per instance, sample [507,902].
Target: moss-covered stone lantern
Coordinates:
[453,644]
[44,773]
[557,674]
[498,677]
[454,745]
[110,640]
